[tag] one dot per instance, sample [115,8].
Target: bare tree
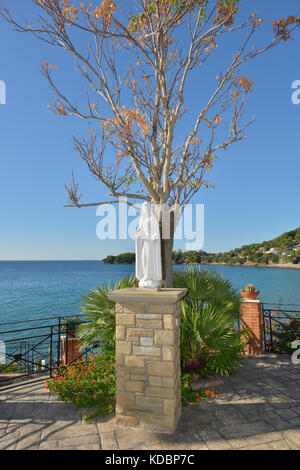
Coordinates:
[136,108]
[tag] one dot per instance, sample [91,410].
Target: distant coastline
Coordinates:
[245,265]
[255,265]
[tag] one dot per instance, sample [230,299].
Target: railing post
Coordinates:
[58,342]
[51,351]
[67,344]
[271,331]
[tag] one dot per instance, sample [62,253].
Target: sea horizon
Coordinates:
[234,265]
[44,260]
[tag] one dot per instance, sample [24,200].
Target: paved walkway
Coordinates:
[259,408]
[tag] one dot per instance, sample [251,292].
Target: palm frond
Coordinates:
[209,315]
[99,329]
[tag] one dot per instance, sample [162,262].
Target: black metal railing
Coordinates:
[32,349]
[281,326]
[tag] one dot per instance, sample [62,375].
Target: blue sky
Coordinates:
[256,195]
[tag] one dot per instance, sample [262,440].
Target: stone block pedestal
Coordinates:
[148,357]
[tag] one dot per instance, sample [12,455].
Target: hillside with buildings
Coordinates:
[282,250]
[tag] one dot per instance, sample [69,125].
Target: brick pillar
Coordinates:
[251,317]
[148,358]
[70,349]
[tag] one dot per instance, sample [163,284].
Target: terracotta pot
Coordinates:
[249,295]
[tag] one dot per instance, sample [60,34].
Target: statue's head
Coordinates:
[146,209]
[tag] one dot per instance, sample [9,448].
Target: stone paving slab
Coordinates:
[257,409]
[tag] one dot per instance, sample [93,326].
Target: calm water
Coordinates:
[39,289]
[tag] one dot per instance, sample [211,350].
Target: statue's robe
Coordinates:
[148,250]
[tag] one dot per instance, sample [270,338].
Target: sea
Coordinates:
[42,289]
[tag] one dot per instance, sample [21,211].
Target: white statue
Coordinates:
[148,252]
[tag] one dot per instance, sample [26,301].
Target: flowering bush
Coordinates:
[284,334]
[92,384]
[86,383]
[190,396]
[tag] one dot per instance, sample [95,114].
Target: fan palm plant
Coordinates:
[209,286]
[99,329]
[210,340]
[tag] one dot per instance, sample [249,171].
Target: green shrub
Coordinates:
[14,368]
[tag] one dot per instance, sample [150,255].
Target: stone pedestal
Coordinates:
[251,317]
[148,357]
